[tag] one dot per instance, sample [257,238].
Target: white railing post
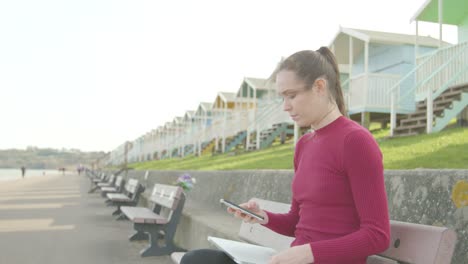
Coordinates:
[223,142]
[430,112]
[392,113]
[258,138]
[247,140]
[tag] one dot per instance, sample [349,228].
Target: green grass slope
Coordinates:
[446,149]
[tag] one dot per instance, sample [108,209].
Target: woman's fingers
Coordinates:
[251,206]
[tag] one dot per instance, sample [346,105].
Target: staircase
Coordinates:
[208,147]
[268,136]
[188,149]
[442,75]
[236,140]
[446,106]
[175,152]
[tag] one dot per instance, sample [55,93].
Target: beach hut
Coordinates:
[179,136]
[224,120]
[203,117]
[189,127]
[372,62]
[260,99]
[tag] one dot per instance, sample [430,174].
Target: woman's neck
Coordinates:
[327,118]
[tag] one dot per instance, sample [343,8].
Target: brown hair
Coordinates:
[310,65]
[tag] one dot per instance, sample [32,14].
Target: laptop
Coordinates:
[243,253]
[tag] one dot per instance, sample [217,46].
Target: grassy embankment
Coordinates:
[447,149]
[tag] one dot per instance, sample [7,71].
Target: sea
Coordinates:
[14,174]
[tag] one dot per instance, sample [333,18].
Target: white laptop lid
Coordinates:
[243,253]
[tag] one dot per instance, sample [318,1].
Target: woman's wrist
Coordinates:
[265,218]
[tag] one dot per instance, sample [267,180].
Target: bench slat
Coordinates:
[118,181]
[380,260]
[109,189]
[166,195]
[132,185]
[104,184]
[143,215]
[118,197]
[415,243]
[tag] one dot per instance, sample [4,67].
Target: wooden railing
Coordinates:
[370,90]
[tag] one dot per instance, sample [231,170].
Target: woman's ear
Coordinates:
[321,85]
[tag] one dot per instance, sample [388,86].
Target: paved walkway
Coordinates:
[53,220]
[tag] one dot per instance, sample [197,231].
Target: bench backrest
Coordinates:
[166,195]
[111,178]
[410,243]
[260,235]
[165,199]
[133,188]
[119,182]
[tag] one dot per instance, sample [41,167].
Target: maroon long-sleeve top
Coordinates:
[339,203]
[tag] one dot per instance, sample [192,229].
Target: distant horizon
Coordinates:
[58,149]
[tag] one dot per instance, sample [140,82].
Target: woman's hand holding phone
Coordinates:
[254,208]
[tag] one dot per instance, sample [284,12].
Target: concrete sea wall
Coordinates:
[431,197]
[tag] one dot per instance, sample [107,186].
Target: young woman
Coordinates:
[339,210]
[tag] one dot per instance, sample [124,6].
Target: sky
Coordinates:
[92,74]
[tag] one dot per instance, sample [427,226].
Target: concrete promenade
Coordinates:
[53,220]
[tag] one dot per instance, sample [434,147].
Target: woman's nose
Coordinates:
[286,105]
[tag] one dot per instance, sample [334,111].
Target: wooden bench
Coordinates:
[159,221]
[101,179]
[129,197]
[110,182]
[95,180]
[410,243]
[117,187]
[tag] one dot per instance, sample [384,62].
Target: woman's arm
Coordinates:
[284,224]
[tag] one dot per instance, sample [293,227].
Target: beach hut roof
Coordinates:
[226,97]
[205,106]
[189,114]
[453,12]
[178,120]
[341,41]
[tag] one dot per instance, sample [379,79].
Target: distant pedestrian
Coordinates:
[23,171]
[80,168]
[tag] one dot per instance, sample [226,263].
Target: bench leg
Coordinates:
[153,248]
[121,216]
[93,189]
[117,211]
[138,236]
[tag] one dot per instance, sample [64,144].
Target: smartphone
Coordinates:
[243,210]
